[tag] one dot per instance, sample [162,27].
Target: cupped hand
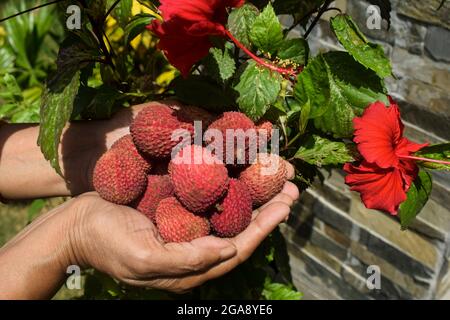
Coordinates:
[125,244]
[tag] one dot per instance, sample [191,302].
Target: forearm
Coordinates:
[33,265]
[24,172]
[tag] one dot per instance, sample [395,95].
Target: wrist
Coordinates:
[34,264]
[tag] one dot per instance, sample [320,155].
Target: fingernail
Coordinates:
[228,252]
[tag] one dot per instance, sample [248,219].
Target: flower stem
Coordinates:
[425,160]
[258,60]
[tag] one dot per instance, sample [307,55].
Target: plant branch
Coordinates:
[322,10]
[112,8]
[29,10]
[259,60]
[426,160]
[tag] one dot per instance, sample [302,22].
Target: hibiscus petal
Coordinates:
[194,10]
[206,28]
[406,147]
[409,171]
[380,189]
[181,49]
[377,132]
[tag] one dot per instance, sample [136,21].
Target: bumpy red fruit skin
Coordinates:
[234,214]
[192,113]
[176,224]
[127,145]
[158,188]
[234,121]
[265,178]
[199,179]
[118,177]
[152,130]
[264,131]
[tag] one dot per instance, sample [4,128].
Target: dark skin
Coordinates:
[90,232]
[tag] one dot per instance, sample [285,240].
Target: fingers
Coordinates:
[198,255]
[291,190]
[288,195]
[290,170]
[246,242]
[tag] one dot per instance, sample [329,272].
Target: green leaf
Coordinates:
[279,291]
[76,52]
[240,22]
[339,88]
[56,109]
[418,195]
[266,32]
[122,12]
[313,85]
[136,26]
[258,88]
[435,152]
[222,64]
[320,151]
[96,103]
[35,208]
[368,54]
[203,92]
[294,50]
[304,117]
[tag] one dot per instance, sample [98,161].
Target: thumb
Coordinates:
[197,255]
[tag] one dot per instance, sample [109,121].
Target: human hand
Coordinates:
[90,232]
[125,244]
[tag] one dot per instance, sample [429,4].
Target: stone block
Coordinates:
[437,43]
[426,11]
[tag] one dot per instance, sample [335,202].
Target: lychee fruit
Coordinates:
[264,129]
[119,177]
[158,188]
[240,129]
[176,224]
[265,178]
[192,113]
[127,145]
[234,213]
[199,178]
[153,127]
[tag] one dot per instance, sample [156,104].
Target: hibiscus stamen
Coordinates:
[425,159]
[262,62]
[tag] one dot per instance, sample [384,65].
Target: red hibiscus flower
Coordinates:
[388,169]
[184,34]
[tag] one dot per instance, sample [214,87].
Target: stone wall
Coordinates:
[331,237]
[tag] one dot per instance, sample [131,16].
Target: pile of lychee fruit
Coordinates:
[184,197]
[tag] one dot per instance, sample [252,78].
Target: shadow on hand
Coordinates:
[84,142]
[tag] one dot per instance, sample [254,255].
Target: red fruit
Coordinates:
[232,122]
[176,224]
[152,130]
[191,114]
[265,178]
[118,177]
[199,178]
[126,144]
[234,214]
[264,131]
[158,188]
